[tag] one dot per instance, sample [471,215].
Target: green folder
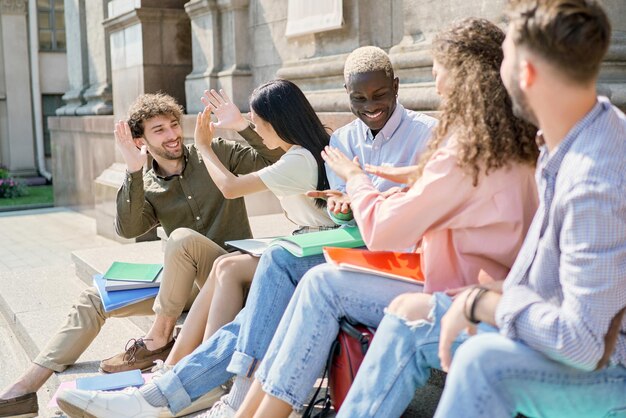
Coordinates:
[304,245]
[133,272]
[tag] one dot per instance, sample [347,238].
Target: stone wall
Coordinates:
[184,48]
[82,148]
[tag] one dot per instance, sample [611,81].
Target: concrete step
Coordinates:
[35,302]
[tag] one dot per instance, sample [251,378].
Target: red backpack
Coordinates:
[345,358]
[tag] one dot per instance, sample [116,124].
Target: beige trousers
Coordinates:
[189,257]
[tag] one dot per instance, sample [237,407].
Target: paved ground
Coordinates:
[38,285]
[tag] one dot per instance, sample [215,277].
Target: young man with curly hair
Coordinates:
[176,193]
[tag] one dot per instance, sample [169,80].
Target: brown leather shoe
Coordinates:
[22,406]
[137,356]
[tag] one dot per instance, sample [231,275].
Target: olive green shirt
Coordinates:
[191,199]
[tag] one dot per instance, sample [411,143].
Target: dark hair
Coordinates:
[283,105]
[478,108]
[148,106]
[572,35]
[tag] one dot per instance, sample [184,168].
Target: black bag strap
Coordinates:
[350,329]
[325,401]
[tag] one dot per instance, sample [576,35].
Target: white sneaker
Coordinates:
[205,401]
[159,369]
[220,410]
[97,404]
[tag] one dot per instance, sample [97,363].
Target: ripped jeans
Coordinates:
[299,350]
[397,363]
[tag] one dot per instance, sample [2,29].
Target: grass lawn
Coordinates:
[37,195]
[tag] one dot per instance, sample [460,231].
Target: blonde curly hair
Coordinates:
[478,108]
[367,59]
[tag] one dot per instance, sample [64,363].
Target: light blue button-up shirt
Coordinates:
[569,279]
[399,143]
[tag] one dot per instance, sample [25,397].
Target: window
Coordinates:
[49,103]
[51,22]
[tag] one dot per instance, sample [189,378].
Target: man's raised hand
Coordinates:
[203,133]
[227,113]
[134,157]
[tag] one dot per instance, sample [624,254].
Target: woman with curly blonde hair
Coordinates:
[468,203]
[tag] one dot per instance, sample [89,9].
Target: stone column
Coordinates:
[17,145]
[98,94]
[77,61]
[150,50]
[206,51]
[236,76]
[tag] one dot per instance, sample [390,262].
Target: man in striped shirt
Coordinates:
[561,347]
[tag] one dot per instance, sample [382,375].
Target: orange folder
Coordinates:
[398,266]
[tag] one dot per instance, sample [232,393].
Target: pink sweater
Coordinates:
[462,228]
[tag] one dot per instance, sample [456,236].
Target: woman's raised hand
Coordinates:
[227,113]
[406,175]
[134,157]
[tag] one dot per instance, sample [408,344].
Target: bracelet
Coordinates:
[467,309]
[479,295]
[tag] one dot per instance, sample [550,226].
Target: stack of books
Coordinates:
[126,283]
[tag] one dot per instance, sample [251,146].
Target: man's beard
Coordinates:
[521,108]
[165,153]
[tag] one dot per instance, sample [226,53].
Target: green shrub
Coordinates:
[11,187]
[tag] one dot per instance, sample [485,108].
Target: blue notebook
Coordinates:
[111,381]
[120,298]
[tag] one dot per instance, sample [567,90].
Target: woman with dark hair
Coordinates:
[285,119]
[468,206]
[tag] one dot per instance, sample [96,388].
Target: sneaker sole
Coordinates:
[73,411]
[202,403]
[144,370]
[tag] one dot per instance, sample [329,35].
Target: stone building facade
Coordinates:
[118,49]
[33,77]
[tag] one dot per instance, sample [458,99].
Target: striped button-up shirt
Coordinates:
[569,279]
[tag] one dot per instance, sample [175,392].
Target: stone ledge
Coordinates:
[98,260]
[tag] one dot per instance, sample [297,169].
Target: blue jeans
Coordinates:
[238,346]
[397,363]
[300,347]
[492,375]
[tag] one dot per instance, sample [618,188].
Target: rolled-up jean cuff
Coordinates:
[242,364]
[48,364]
[172,388]
[271,390]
